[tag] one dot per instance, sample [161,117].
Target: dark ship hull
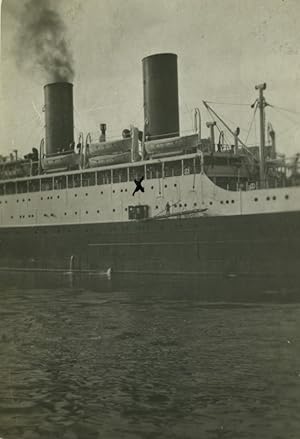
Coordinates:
[254,246]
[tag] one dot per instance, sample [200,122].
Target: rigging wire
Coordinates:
[285,116]
[228,103]
[284,109]
[251,123]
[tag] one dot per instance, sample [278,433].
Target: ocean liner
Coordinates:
[152,201]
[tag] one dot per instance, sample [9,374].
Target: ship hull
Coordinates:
[263,245]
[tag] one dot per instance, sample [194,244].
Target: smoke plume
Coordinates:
[41,42]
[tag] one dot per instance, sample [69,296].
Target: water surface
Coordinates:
[141,363]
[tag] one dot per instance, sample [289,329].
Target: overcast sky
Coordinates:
[224,48]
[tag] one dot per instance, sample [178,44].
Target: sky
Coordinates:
[224,48]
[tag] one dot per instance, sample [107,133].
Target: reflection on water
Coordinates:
[148,361]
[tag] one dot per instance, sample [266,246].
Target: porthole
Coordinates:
[101,192]
[211,203]
[227,202]
[175,185]
[41,198]
[274,198]
[255,199]
[11,217]
[222,202]
[195,204]
[86,194]
[65,213]
[121,190]
[76,213]
[152,187]
[5,202]
[156,207]
[185,205]
[232,201]
[268,198]
[125,209]
[86,212]
[166,185]
[125,190]
[51,198]
[286,197]
[114,210]
[113,191]
[23,200]
[75,195]
[98,211]
[29,199]
[180,205]
[175,205]
[57,196]
[17,201]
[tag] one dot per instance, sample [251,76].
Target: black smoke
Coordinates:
[41,42]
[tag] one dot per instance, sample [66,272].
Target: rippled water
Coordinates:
[136,363]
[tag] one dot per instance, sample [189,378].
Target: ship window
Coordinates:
[34,185]
[172,169]
[22,187]
[10,188]
[255,199]
[268,198]
[70,181]
[154,171]
[89,179]
[46,184]
[1,189]
[274,198]
[136,172]
[188,166]
[198,164]
[74,180]
[286,197]
[60,182]
[119,175]
[104,177]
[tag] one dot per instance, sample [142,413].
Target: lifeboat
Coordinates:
[67,161]
[174,145]
[110,159]
[109,148]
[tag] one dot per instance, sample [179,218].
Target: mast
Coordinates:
[262,105]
